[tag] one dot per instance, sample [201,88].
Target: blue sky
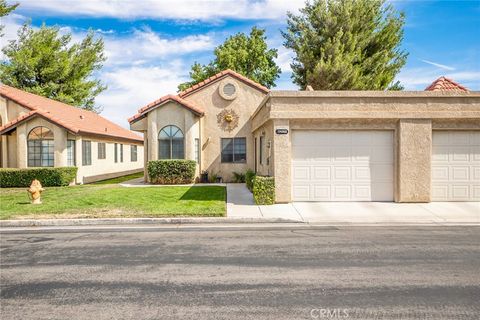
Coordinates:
[151,44]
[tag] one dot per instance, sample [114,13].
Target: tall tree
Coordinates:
[5,9]
[46,63]
[346,45]
[245,54]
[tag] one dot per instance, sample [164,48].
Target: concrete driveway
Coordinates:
[240,204]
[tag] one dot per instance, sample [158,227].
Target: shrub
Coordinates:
[239,177]
[212,178]
[171,171]
[264,190]
[48,177]
[249,176]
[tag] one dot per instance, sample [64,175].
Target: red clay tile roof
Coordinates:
[169,97]
[219,76]
[445,84]
[195,109]
[75,120]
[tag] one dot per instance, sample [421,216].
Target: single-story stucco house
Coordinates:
[40,132]
[398,146]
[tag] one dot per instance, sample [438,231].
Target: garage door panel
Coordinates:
[321,192]
[342,192]
[301,192]
[341,173]
[460,192]
[456,166]
[361,173]
[476,191]
[321,173]
[355,165]
[460,173]
[440,191]
[362,192]
[301,173]
[440,173]
[476,173]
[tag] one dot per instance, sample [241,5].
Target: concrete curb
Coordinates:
[138,221]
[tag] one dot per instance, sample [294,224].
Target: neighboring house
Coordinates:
[325,145]
[40,132]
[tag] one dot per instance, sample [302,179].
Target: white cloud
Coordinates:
[441,66]
[420,78]
[131,88]
[11,24]
[141,65]
[144,44]
[167,9]
[285,57]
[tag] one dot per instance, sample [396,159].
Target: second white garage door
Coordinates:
[456,166]
[342,165]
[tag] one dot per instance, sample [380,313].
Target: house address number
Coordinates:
[281,131]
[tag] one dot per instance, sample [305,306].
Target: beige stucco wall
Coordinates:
[170,114]
[9,110]
[411,115]
[243,105]
[101,167]
[414,154]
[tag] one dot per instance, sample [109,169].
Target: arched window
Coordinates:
[171,143]
[40,147]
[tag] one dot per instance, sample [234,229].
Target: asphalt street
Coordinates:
[242,273]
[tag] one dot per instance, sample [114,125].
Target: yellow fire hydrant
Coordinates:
[35,190]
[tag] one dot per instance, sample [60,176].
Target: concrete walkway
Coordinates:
[140,183]
[240,204]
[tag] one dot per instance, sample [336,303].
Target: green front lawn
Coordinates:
[92,201]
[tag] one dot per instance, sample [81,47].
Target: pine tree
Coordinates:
[46,63]
[346,45]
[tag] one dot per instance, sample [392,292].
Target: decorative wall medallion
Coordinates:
[227,120]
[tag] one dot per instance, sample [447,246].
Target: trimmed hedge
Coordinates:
[249,176]
[264,190]
[48,177]
[171,171]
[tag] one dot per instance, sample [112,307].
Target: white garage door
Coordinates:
[456,166]
[342,165]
